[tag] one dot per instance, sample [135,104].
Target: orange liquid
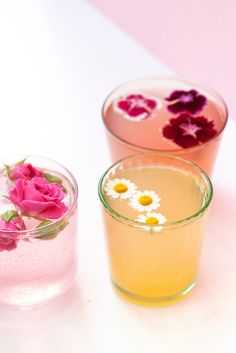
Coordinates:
[152,266]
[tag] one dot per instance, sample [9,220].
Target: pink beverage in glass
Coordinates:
[38,225]
[166,115]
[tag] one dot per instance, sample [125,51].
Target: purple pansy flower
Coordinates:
[189,131]
[136,107]
[186,101]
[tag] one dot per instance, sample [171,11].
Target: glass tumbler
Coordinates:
[166,115]
[155,211]
[38,226]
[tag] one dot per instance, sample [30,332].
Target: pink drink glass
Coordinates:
[39,263]
[167,115]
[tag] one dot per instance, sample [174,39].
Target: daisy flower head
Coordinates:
[145,201]
[153,220]
[120,188]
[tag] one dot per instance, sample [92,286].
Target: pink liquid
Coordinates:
[127,137]
[38,270]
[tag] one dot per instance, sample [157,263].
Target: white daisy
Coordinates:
[153,220]
[120,188]
[145,201]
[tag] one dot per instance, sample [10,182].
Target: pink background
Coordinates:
[197,39]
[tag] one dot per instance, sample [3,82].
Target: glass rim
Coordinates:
[142,149]
[168,225]
[34,232]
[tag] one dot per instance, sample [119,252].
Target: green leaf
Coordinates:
[62,226]
[9,215]
[8,168]
[50,232]
[44,223]
[20,162]
[64,189]
[52,178]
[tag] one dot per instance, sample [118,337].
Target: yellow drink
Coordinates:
[150,261]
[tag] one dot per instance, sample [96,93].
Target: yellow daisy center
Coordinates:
[120,188]
[145,200]
[152,220]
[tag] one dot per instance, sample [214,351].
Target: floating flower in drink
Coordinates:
[189,131]
[33,195]
[153,220]
[136,107]
[145,201]
[120,188]
[38,223]
[186,101]
[10,224]
[38,198]
[24,171]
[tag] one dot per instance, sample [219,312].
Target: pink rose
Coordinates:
[25,171]
[8,240]
[37,197]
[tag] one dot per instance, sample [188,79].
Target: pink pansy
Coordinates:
[186,101]
[189,131]
[38,198]
[8,240]
[25,171]
[136,107]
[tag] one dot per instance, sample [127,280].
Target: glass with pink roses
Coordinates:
[38,223]
[167,115]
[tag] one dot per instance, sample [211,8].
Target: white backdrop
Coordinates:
[58,61]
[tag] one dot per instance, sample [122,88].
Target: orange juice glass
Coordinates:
[155,210]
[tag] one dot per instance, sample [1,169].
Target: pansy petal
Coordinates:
[124,105]
[189,131]
[151,103]
[135,96]
[136,111]
[176,107]
[186,141]
[135,107]
[174,95]
[186,101]
[170,131]
[206,135]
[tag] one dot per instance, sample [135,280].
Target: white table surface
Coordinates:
[58,61]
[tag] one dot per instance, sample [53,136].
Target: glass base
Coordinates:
[26,297]
[152,301]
